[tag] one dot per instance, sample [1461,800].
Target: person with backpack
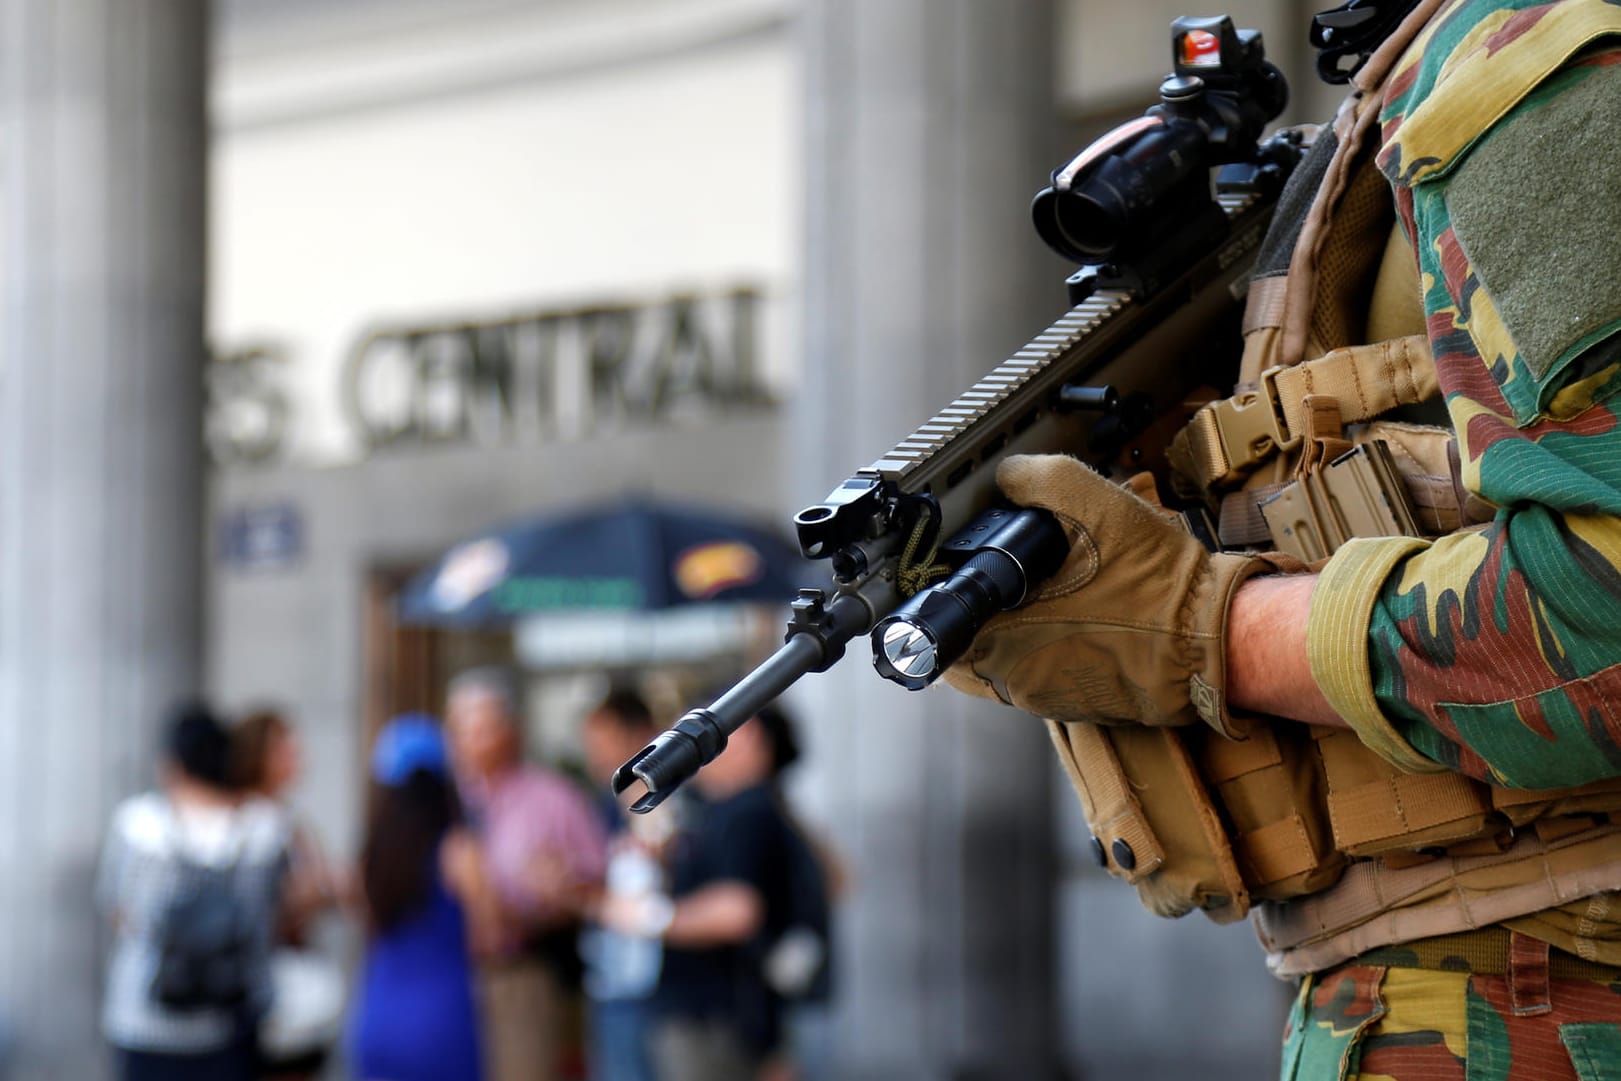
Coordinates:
[190,879]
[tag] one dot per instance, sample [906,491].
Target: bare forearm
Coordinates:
[1267,667]
[718,915]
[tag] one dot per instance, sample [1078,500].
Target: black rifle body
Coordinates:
[1151,344]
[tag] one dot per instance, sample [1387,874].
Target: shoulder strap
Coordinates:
[236,840]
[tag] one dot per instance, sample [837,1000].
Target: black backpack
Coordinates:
[205,941]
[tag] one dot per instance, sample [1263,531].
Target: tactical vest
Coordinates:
[1336,850]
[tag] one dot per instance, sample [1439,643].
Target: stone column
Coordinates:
[929,129]
[102,259]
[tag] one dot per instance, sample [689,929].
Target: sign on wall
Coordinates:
[266,537]
[547,374]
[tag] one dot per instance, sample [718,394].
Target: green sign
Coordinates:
[533,594]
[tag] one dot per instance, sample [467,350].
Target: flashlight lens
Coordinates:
[908,651]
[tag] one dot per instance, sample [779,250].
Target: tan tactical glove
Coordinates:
[1132,628]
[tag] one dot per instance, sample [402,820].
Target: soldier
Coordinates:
[1411,747]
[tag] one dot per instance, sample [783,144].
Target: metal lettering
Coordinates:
[246,414]
[547,375]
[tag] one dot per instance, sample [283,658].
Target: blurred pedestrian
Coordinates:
[306,1018]
[545,849]
[427,902]
[622,971]
[738,885]
[267,760]
[190,878]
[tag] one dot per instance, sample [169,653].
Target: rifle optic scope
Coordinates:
[1150,177]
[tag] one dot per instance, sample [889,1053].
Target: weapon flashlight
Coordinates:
[1006,550]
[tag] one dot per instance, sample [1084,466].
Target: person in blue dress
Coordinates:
[428,905]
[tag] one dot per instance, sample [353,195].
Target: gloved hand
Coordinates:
[1133,626]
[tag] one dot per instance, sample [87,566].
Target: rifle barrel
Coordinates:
[697,738]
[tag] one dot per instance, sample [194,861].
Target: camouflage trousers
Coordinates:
[1371,1023]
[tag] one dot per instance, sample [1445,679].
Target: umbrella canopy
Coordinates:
[638,554]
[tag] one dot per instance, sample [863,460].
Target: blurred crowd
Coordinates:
[517,924]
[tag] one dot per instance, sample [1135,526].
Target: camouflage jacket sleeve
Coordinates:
[1497,651]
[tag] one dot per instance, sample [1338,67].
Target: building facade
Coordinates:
[472,260]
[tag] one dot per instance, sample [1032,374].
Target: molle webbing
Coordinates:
[1377,904]
[1272,805]
[1375,807]
[1228,438]
[1195,820]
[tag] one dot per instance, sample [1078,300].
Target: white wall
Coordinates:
[544,155]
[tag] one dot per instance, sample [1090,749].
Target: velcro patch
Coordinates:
[1536,208]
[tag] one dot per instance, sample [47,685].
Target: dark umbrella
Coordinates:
[638,554]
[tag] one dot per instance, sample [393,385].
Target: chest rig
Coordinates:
[1336,850]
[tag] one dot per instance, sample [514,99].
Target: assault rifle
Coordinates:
[1155,313]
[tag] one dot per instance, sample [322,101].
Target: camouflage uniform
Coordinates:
[1374,1023]
[1493,652]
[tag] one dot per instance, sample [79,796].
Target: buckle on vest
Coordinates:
[1251,426]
